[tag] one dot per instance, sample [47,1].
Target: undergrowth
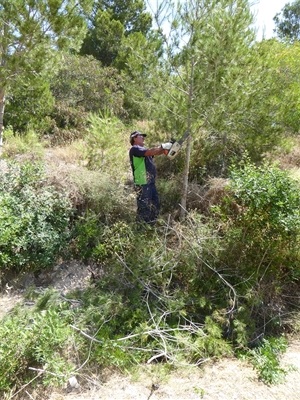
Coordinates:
[178,294]
[266,360]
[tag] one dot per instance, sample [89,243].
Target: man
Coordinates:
[144,174]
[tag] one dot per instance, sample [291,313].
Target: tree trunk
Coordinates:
[186,178]
[185,184]
[2,105]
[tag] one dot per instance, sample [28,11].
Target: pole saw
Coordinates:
[177,145]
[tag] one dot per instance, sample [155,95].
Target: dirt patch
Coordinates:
[229,379]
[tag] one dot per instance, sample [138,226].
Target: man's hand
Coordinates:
[166,147]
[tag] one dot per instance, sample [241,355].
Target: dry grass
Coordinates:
[203,197]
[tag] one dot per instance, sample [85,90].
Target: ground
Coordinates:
[228,379]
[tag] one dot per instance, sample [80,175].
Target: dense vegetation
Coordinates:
[219,274]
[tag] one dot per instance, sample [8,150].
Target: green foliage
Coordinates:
[258,222]
[110,23]
[39,28]
[266,359]
[26,143]
[99,242]
[287,22]
[104,146]
[28,103]
[165,294]
[218,85]
[65,26]
[284,62]
[269,198]
[169,192]
[211,342]
[34,218]
[36,339]
[160,296]
[138,59]
[81,86]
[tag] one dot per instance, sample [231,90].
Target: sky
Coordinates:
[265,11]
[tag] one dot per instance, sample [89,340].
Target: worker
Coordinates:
[144,174]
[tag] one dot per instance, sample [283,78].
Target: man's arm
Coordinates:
[154,151]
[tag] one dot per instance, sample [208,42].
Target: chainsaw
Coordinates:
[176,145]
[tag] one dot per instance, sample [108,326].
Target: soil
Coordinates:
[228,379]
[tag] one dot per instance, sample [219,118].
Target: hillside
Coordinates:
[228,378]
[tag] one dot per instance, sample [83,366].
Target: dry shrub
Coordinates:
[203,197]
[291,159]
[94,190]
[72,153]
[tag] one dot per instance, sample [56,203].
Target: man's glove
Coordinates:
[166,146]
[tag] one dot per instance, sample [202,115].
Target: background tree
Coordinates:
[82,86]
[31,32]
[29,102]
[111,22]
[283,68]
[137,62]
[287,22]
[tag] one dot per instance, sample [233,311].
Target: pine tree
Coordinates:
[31,33]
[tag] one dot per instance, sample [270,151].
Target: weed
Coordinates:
[266,359]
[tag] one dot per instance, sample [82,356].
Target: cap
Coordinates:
[135,134]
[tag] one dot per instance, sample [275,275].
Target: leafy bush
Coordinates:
[265,226]
[95,241]
[34,218]
[259,226]
[37,339]
[270,199]
[266,359]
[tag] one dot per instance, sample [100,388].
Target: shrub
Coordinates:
[265,230]
[27,143]
[270,199]
[106,146]
[259,227]
[34,218]
[266,359]
[38,339]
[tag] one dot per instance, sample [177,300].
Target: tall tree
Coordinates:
[287,22]
[31,32]
[207,48]
[111,22]
[284,66]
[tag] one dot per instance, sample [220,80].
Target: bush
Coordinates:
[269,198]
[266,359]
[27,143]
[34,218]
[259,227]
[40,339]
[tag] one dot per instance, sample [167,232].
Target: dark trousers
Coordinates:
[147,203]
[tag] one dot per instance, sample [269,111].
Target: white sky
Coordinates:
[266,11]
